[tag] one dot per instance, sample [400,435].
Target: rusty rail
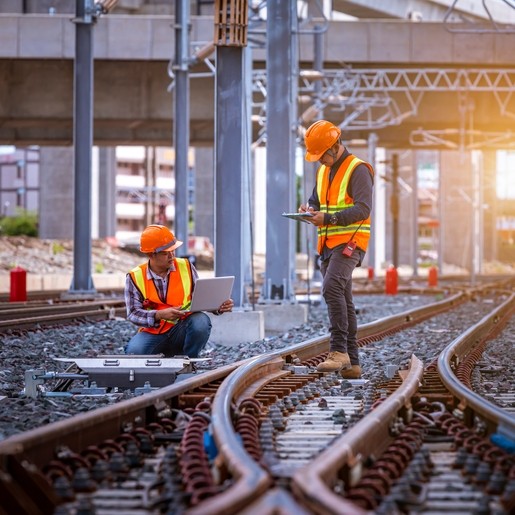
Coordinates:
[312,483]
[458,352]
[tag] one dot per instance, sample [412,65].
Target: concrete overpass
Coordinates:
[412,83]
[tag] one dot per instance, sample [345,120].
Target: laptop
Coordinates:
[210,292]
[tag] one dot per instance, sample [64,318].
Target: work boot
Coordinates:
[353,372]
[335,361]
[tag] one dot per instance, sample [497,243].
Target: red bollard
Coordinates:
[432,277]
[370,273]
[18,285]
[391,282]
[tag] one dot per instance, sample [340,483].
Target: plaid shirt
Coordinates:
[134,300]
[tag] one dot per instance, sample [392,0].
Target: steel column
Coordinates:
[415,211]
[82,282]
[282,73]
[230,150]
[181,128]
[394,206]
[371,251]
[232,142]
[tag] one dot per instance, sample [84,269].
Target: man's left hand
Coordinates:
[317,218]
[226,306]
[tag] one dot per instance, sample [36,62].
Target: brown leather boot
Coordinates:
[335,361]
[353,372]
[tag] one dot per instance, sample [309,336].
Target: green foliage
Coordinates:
[57,248]
[99,268]
[24,223]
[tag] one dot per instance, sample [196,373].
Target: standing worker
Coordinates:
[158,295]
[341,203]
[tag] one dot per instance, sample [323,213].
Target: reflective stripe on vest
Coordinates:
[178,295]
[334,198]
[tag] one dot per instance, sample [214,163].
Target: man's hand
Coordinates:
[304,208]
[169,314]
[317,218]
[226,306]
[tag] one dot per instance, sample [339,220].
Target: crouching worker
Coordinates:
[158,295]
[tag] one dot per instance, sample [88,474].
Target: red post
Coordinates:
[432,277]
[370,273]
[391,283]
[18,291]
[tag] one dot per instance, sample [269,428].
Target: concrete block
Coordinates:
[390,42]
[474,50]
[423,51]
[281,317]
[41,36]
[8,36]
[108,281]
[129,37]
[162,44]
[504,45]
[349,44]
[56,281]
[231,329]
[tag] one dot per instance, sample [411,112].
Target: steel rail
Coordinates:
[30,317]
[250,478]
[305,349]
[49,320]
[67,307]
[38,446]
[351,449]
[366,437]
[110,417]
[458,350]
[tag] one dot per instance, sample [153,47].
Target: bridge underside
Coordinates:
[133,106]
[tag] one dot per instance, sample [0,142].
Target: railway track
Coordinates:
[20,316]
[233,440]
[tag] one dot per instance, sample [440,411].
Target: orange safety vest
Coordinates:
[177,295]
[333,198]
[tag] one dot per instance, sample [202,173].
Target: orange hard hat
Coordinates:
[156,238]
[319,138]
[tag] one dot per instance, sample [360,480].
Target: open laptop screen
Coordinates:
[210,292]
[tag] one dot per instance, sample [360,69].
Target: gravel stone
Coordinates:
[37,350]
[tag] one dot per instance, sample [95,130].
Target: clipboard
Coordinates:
[300,217]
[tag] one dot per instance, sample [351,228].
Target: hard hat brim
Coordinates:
[314,157]
[175,244]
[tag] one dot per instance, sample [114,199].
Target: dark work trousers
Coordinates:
[337,292]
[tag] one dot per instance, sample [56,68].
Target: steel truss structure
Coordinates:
[365,96]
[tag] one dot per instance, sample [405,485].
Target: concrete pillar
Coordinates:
[106,192]
[11,6]
[204,193]
[457,195]
[402,196]
[490,201]
[56,193]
